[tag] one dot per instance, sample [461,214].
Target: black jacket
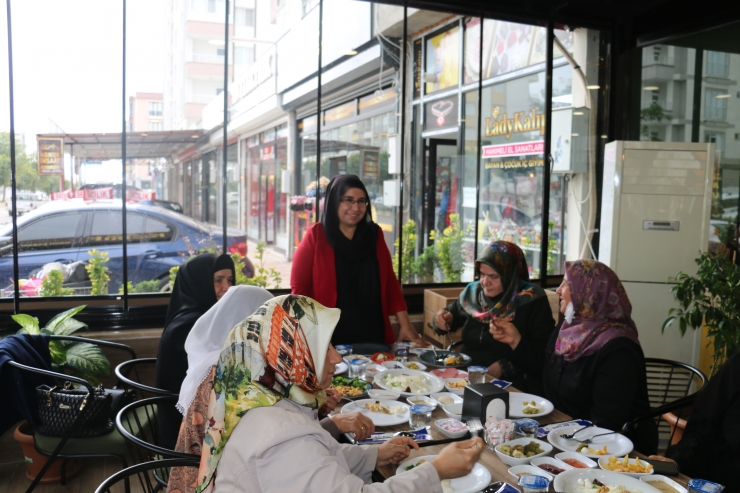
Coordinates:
[535,323]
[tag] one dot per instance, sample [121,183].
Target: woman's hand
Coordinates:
[458,458]
[505,331]
[408,334]
[443,319]
[356,423]
[395,450]
[332,399]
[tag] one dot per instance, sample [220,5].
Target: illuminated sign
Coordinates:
[51,157]
[510,150]
[502,125]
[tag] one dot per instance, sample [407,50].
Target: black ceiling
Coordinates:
[637,22]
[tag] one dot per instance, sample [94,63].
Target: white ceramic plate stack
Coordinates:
[475,481]
[567,482]
[516,405]
[434,384]
[615,443]
[379,418]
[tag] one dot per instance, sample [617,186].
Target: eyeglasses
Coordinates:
[349,202]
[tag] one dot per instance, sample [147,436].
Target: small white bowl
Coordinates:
[663,479]
[393,365]
[438,395]
[452,434]
[579,457]
[454,411]
[422,399]
[383,394]
[554,462]
[373,369]
[603,461]
[415,365]
[454,390]
[515,461]
[528,469]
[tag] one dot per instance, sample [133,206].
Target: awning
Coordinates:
[103,146]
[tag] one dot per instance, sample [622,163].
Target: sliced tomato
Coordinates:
[381,357]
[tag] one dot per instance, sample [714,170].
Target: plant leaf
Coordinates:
[58,353]
[30,324]
[61,317]
[69,327]
[88,358]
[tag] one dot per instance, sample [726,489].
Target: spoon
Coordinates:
[569,436]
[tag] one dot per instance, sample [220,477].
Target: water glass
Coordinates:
[357,368]
[420,416]
[477,374]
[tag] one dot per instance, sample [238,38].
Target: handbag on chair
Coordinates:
[59,408]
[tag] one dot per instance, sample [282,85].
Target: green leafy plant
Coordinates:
[173,276]
[404,247]
[710,297]
[239,269]
[98,271]
[80,358]
[263,276]
[449,245]
[426,263]
[52,285]
[151,286]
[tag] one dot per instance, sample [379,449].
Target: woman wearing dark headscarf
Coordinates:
[594,367]
[343,262]
[502,297]
[200,283]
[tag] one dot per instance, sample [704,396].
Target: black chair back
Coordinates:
[147,473]
[130,375]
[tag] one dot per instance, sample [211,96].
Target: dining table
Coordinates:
[488,459]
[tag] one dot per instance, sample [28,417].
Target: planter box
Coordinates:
[435,300]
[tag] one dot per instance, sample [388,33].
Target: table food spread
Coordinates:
[570,464]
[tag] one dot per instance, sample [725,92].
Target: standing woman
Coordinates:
[200,283]
[343,262]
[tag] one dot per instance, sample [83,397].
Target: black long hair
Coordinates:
[338,186]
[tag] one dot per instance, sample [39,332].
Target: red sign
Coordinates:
[137,195]
[520,149]
[65,195]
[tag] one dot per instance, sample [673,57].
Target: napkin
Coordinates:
[500,383]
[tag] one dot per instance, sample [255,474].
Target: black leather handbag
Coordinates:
[59,408]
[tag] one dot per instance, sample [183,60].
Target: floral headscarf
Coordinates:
[278,352]
[602,310]
[508,261]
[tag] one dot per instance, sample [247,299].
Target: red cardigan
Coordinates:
[314,274]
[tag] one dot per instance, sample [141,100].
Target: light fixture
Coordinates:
[216,42]
[578,113]
[604,136]
[574,135]
[595,86]
[531,175]
[144,134]
[351,53]
[195,136]
[722,96]
[651,88]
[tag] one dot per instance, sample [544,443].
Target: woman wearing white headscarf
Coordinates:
[253,420]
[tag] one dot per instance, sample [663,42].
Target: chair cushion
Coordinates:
[110,444]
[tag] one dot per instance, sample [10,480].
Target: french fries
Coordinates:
[625,465]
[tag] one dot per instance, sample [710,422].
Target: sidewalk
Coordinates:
[272,259]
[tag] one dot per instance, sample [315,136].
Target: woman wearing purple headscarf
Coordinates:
[594,367]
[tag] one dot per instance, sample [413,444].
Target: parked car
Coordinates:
[158,239]
[118,191]
[25,202]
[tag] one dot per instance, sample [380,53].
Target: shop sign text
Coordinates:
[519,122]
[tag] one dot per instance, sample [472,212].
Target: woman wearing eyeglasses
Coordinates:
[343,262]
[502,299]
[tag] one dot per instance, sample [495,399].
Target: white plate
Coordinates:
[341,368]
[516,400]
[605,460]
[616,444]
[666,480]
[567,481]
[379,419]
[434,383]
[455,398]
[476,480]
[420,367]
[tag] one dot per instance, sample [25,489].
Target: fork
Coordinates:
[589,440]
[571,435]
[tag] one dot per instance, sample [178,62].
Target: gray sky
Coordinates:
[67,58]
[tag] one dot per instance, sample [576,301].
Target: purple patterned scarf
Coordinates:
[602,310]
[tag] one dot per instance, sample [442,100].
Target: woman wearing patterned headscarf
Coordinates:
[502,298]
[594,367]
[253,419]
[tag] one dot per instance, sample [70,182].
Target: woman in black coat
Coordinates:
[200,283]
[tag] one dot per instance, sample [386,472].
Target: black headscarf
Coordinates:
[193,295]
[358,271]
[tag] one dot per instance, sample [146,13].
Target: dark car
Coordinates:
[158,239]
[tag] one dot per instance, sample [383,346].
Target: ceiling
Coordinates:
[103,146]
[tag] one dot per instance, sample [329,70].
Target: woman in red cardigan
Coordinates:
[343,262]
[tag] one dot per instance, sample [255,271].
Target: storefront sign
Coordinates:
[268,153]
[510,150]
[515,163]
[261,70]
[502,125]
[417,69]
[370,165]
[440,114]
[442,55]
[51,157]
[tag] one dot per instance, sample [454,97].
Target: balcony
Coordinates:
[199,98]
[203,70]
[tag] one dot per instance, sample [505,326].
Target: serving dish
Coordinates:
[379,418]
[422,384]
[567,482]
[516,461]
[474,481]
[615,443]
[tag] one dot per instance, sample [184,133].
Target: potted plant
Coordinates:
[79,358]
[425,264]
